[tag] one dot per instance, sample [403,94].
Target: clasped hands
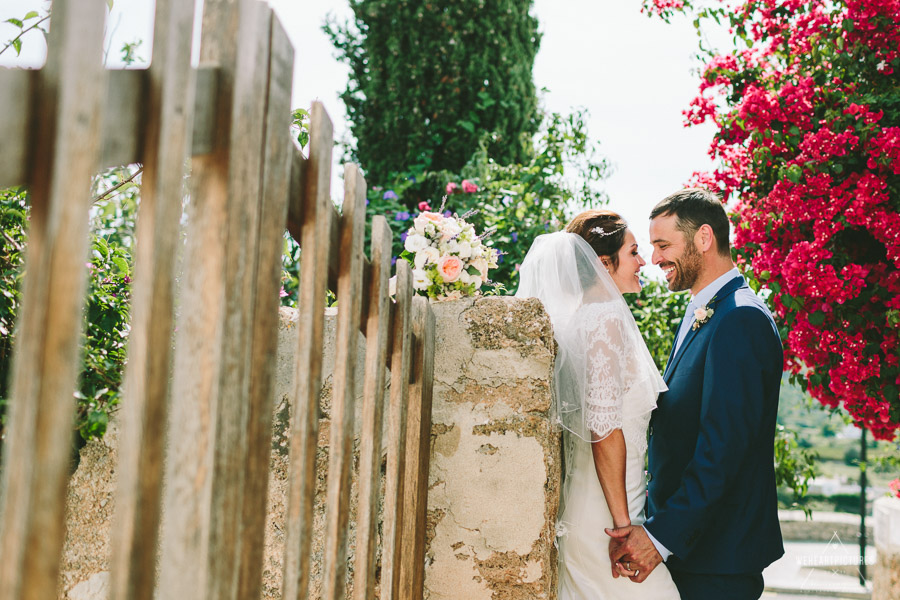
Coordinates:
[631,546]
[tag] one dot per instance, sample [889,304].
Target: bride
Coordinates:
[606,385]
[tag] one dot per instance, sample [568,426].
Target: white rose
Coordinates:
[420,223]
[482,266]
[464,277]
[420,279]
[415,242]
[464,250]
[453,247]
[449,229]
[425,256]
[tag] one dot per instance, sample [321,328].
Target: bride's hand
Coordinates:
[633,546]
[616,555]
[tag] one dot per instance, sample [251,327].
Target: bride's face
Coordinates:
[625,275]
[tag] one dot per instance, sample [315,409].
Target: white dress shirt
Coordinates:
[702,298]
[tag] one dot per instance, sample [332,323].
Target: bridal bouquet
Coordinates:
[449,260]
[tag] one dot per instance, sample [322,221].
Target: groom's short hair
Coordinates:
[693,208]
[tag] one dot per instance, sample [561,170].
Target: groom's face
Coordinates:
[676,255]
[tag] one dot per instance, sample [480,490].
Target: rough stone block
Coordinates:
[886,576]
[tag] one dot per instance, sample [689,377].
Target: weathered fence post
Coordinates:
[349,292]
[204,541]
[312,192]
[64,155]
[377,332]
[396,435]
[418,452]
[146,382]
[273,214]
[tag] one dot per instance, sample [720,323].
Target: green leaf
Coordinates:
[794,172]
[102,247]
[15,22]
[17,45]
[121,264]
[467,125]
[473,271]
[109,3]
[30,15]
[817,318]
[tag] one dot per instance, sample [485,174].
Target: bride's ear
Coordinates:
[604,260]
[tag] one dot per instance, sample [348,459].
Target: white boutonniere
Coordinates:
[702,316]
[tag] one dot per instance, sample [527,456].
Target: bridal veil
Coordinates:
[601,355]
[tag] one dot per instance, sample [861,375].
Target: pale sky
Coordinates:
[632,73]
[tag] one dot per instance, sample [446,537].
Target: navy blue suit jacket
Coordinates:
[711,495]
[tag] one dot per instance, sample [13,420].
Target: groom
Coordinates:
[711,500]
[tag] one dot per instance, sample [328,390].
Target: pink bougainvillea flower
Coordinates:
[452,187]
[895,488]
[423,206]
[469,187]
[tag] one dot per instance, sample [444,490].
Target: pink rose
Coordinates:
[449,267]
[452,187]
[424,206]
[469,187]
[433,216]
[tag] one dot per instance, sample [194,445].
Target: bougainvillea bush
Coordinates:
[807,110]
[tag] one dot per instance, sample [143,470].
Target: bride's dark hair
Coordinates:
[608,240]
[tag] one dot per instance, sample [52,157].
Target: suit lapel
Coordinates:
[671,355]
[674,358]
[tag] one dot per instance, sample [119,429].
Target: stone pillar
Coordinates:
[886,575]
[495,467]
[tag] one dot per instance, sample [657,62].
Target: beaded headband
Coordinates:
[601,233]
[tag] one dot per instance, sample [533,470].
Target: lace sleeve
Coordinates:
[607,363]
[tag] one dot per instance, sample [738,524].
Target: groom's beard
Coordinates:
[687,269]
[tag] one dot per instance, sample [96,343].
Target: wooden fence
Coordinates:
[196,419]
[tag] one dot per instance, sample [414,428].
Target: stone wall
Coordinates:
[886,575]
[494,480]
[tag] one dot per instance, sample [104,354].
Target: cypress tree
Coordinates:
[432,79]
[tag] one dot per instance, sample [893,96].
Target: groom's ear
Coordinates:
[704,239]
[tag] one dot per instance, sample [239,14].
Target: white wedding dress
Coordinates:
[612,403]
[604,379]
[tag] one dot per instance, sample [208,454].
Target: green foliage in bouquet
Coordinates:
[428,77]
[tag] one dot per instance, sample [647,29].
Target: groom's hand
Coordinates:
[632,545]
